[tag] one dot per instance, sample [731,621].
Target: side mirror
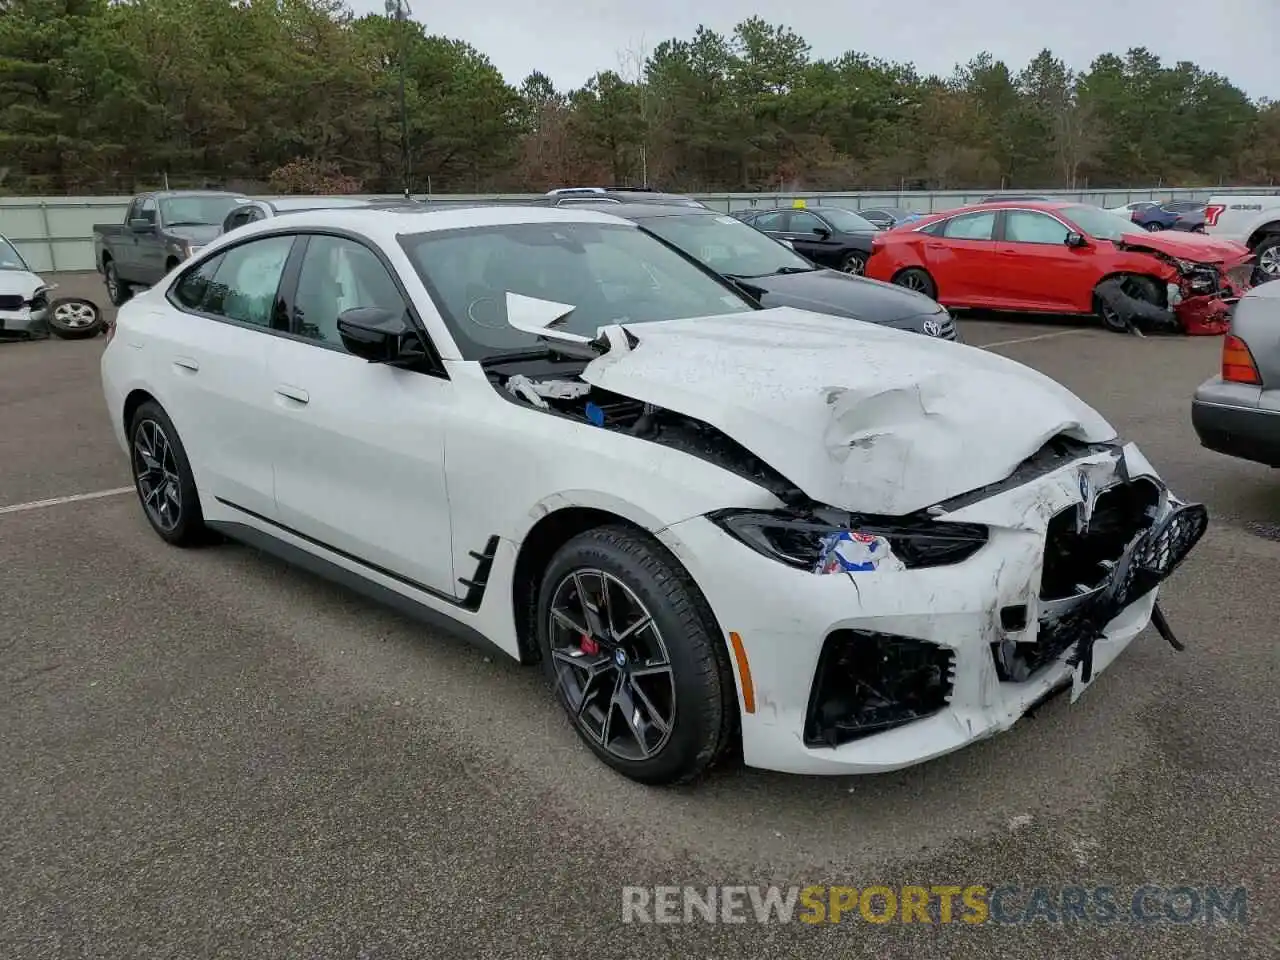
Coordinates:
[822,231]
[379,336]
[1076,240]
[141,225]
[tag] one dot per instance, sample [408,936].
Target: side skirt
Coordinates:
[313,563]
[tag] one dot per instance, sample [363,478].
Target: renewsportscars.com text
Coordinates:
[936,904]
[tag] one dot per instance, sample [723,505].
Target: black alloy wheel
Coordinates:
[162,476]
[635,657]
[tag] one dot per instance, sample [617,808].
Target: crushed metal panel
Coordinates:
[857,416]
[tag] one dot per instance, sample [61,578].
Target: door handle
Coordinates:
[296,394]
[186,363]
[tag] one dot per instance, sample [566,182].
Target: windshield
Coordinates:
[10,258]
[196,211]
[1099,223]
[727,245]
[846,221]
[610,273]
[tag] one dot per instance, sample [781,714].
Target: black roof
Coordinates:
[647,211]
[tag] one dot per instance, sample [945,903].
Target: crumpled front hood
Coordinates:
[1197,247]
[858,416]
[21,283]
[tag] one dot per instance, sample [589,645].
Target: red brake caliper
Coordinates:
[588,646]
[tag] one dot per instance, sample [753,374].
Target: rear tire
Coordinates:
[163,478]
[917,279]
[118,292]
[656,702]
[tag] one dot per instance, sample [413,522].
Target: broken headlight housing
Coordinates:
[852,542]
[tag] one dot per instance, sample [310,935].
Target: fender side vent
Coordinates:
[477,582]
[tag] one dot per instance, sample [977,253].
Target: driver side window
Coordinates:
[338,275]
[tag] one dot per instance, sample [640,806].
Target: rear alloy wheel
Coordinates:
[855,263]
[118,292]
[75,319]
[635,657]
[913,278]
[163,478]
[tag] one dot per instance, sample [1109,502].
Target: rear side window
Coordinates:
[770,221]
[972,226]
[240,284]
[190,290]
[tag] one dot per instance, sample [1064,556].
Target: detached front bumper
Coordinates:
[24,322]
[974,644]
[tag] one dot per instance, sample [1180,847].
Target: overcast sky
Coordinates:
[569,40]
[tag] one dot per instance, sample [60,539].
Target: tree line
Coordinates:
[112,96]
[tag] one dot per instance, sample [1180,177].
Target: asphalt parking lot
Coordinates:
[207,754]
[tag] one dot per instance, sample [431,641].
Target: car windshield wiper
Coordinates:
[781,271]
[557,352]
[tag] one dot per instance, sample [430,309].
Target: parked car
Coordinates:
[1129,209]
[1066,258]
[666,494]
[1024,197]
[776,276]
[253,210]
[567,196]
[1191,222]
[26,309]
[1237,412]
[830,236]
[886,218]
[1163,216]
[1252,220]
[160,230]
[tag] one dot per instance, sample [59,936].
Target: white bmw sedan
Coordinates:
[847,548]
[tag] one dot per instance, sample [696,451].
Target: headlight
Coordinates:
[861,544]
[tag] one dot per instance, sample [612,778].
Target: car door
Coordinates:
[148,250]
[960,255]
[813,237]
[1037,270]
[211,367]
[359,446]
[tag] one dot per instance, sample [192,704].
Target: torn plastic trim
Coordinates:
[868,682]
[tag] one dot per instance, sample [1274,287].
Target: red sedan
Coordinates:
[1066,258]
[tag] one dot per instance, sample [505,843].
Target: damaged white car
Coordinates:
[848,548]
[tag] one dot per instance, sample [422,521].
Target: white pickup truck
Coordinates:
[1253,220]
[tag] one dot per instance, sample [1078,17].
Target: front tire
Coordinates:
[73,318]
[855,263]
[636,657]
[163,479]
[1154,227]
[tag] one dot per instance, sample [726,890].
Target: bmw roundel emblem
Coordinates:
[932,328]
[620,657]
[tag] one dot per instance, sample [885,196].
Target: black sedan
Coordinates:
[776,276]
[830,236]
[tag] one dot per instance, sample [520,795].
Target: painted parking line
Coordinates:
[1042,336]
[56,501]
